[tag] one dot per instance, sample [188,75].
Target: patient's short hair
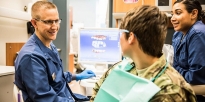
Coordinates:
[150,27]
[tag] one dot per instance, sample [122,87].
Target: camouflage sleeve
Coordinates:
[101,80]
[173,93]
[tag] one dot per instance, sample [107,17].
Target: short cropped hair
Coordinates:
[39,5]
[150,27]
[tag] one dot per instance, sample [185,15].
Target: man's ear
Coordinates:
[194,13]
[131,38]
[33,22]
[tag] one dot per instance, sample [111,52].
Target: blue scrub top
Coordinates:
[39,74]
[189,55]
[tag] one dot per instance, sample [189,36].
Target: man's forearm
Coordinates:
[199,89]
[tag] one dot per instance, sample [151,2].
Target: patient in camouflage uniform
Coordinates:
[142,42]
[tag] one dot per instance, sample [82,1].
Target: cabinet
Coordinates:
[120,8]
[13,48]
[11,52]
[6,83]
[71,63]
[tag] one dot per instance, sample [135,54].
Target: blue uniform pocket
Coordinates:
[183,60]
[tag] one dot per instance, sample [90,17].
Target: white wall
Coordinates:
[14,4]
[12,30]
[102,13]
[84,11]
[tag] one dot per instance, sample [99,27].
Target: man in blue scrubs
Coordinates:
[38,67]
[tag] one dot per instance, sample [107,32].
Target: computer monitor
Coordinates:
[164,5]
[99,46]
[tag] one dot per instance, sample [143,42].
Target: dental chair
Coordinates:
[17,94]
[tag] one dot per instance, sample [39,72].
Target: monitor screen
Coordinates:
[99,45]
[164,5]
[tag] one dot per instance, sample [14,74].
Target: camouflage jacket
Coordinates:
[173,86]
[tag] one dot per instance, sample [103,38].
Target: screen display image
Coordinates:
[163,3]
[99,46]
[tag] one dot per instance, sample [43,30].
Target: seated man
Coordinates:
[145,29]
[38,67]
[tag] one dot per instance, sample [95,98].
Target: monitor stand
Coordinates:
[100,68]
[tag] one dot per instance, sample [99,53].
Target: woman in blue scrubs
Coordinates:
[189,44]
[38,67]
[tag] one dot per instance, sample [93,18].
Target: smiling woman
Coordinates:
[188,42]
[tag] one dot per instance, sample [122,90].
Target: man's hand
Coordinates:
[85,74]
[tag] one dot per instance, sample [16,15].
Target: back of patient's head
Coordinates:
[41,5]
[149,25]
